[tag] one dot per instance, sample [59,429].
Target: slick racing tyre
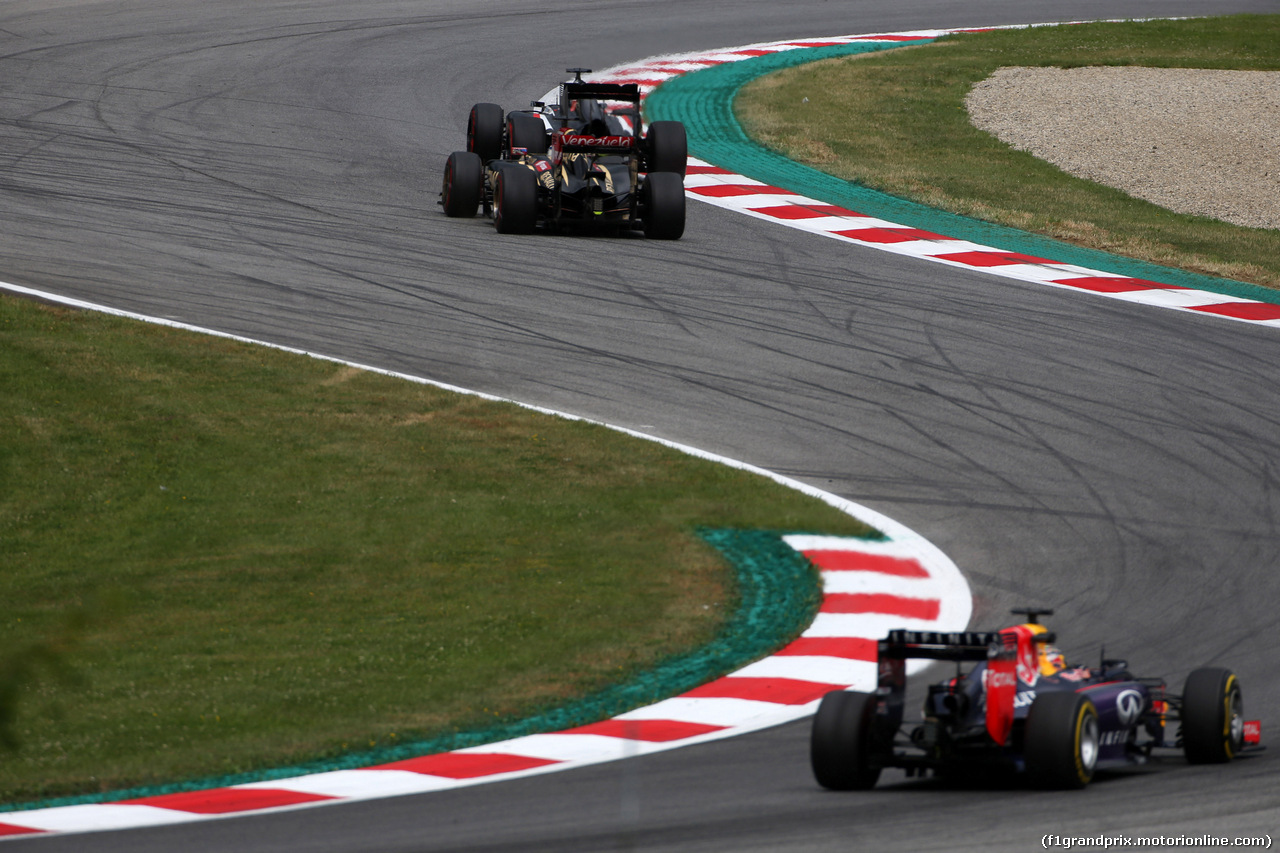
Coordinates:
[463,184]
[1062,740]
[662,206]
[1212,716]
[484,131]
[842,745]
[525,130]
[666,148]
[515,203]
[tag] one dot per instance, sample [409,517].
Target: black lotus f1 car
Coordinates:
[1019,708]
[585,162]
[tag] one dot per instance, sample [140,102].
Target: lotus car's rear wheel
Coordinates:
[1062,740]
[666,147]
[515,205]
[842,748]
[662,206]
[525,130]
[463,184]
[484,131]
[1212,716]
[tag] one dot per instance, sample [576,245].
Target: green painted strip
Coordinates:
[703,100]
[779,594]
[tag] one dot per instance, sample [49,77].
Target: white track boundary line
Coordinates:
[696,718]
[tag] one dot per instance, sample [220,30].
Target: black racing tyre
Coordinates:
[463,184]
[842,748]
[666,148]
[515,200]
[525,130]
[484,131]
[662,206]
[1061,740]
[1212,716]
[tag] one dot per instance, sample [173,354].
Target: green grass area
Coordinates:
[220,557]
[895,121]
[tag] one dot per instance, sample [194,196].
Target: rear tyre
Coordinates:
[515,204]
[484,131]
[527,131]
[666,147]
[1062,740]
[662,206]
[463,184]
[1212,716]
[842,747]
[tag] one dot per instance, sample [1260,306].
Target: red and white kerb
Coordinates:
[869,588]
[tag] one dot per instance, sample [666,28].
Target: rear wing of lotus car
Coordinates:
[1010,655]
[615,98]
[628,93]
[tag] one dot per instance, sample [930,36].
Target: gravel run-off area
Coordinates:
[1195,141]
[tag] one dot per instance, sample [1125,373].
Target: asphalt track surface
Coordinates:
[270,169]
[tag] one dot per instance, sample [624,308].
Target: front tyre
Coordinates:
[1212,716]
[1062,740]
[515,204]
[463,184]
[484,131]
[666,148]
[662,206]
[842,743]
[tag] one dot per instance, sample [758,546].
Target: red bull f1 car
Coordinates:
[1020,708]
[586,162]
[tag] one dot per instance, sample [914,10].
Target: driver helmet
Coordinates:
[1052,660]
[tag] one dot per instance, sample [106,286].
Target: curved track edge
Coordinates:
[735,173]
[869,586]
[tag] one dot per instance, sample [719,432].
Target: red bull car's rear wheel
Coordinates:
[842,744]
[1062,740]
